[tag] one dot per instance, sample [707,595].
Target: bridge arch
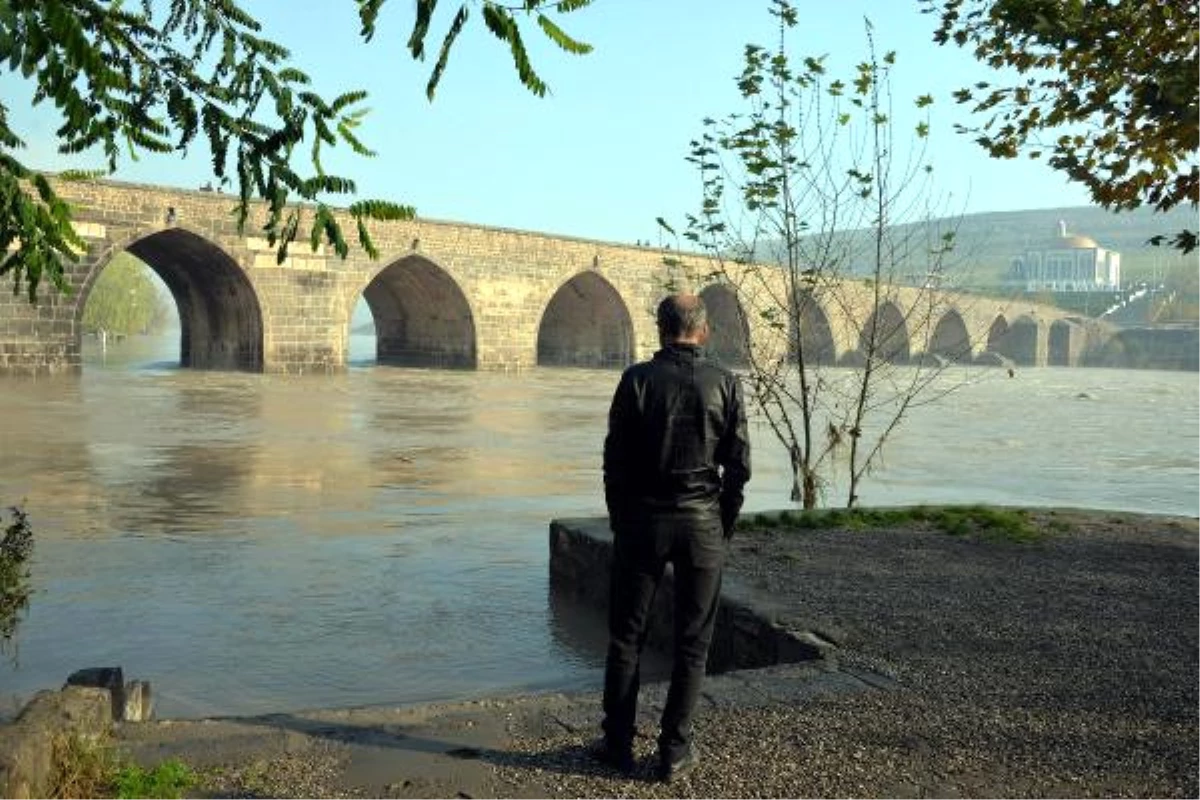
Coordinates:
[585,324]
[816,340]
[997,335]
[890,332]
[422,316]
[950,338]
[220,315]
[729,342]
[1021,340]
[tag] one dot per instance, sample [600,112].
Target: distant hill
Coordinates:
[987,243]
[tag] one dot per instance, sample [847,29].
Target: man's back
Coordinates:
[676,424]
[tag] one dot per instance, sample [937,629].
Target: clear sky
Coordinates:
[604,153]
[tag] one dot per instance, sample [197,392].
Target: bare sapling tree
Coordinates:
[837,251]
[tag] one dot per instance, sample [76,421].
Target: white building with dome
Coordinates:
[1066,263]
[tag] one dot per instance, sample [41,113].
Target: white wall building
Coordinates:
[1066,263]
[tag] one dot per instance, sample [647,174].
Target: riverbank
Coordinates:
[966,665]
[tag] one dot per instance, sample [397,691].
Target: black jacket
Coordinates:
[677,444]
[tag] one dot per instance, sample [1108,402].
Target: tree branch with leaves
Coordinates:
[136,77]
[1107,91]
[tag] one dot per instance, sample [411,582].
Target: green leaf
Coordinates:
[416,39]
[560,38]
[500,22]
[368,13]
[456,27]
[381,210]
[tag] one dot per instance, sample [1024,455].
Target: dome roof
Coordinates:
[1075,240]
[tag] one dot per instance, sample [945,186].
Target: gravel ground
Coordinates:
[1063,667]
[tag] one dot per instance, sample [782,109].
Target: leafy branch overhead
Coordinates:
[1112,86]
[160,77]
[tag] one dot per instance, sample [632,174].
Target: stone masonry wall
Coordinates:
[240,309]
[745,638]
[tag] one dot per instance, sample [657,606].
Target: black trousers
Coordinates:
[696,550]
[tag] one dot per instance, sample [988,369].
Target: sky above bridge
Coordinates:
[604,153]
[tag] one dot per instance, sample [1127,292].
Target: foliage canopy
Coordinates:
[125,300]
[1116,83]
[159,77]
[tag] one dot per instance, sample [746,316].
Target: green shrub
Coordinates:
[85,767]
[16,547]
[169,779]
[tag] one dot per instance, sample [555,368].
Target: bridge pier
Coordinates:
[38,341]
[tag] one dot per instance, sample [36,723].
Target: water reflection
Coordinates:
[579,629]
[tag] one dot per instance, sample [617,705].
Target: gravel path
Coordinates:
[1063,667]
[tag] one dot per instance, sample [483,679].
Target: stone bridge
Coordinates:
[457,295]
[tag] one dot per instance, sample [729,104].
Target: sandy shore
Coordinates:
[966,667]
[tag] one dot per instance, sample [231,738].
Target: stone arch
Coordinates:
[997,334]
[950,337]
[220,317]
[816,342]
[729,342]
[585,324]
[422,316]
[890,331]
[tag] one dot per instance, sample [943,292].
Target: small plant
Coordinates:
[169,779]
[83,767]
[995,523]
[755,522]
[16,547]
[90,767]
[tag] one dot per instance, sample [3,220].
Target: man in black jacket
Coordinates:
[676,458]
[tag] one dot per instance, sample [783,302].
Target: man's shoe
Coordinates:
[619,757]
[669,771]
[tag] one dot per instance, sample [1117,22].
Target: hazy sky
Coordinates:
[604,153]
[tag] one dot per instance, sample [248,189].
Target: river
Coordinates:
[253,543]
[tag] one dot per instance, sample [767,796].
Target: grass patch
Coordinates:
[82,767]
[993,523]
[86,767]
[169,779]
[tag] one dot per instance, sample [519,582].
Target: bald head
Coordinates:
[682,319]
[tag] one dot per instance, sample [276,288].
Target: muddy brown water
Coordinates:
[253,543]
